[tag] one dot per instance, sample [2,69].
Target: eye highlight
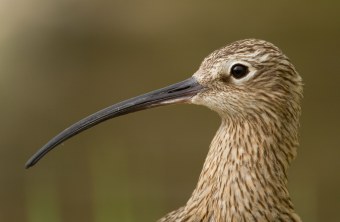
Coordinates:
[239,71]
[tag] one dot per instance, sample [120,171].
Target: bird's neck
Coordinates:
[244,175]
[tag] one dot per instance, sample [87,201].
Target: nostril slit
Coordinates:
[179,89]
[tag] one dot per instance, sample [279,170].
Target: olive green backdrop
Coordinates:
[62,60]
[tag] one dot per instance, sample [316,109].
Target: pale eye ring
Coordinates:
[239,71]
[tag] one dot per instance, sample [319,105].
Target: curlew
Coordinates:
[256,91]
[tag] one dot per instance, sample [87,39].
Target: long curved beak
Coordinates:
[177,93]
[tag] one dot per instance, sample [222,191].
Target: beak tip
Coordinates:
[29,164]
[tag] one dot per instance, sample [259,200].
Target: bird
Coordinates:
[257,92]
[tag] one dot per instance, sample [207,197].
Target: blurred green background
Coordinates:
[62,60]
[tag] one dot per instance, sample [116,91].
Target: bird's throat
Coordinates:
[243,177]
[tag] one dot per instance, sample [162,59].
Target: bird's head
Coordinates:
[248,77]
[244,79]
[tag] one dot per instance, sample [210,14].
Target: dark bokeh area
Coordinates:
[62,60]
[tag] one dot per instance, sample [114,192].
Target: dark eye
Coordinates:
[239,71]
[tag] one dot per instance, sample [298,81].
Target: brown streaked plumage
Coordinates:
[256,91]
[244,177]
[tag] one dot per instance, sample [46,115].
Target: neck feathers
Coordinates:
[244,177]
